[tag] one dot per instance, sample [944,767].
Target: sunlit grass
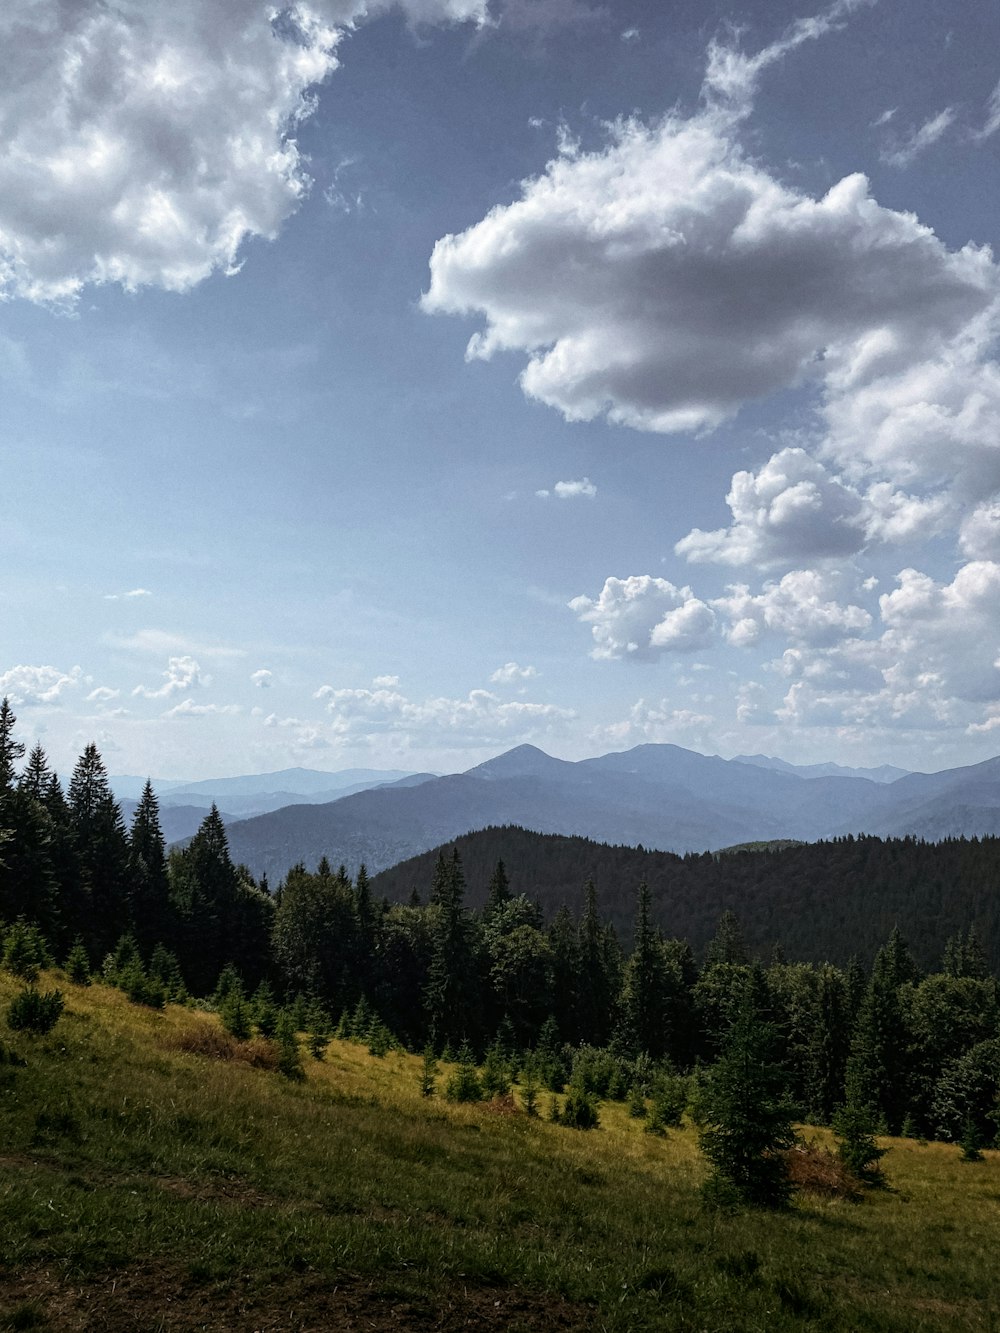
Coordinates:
[118,1148]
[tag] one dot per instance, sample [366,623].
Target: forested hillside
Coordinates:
[914,1035]
[818,902]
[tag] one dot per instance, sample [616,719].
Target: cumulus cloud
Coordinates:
[641,618]
[32,685]
[979,536]
[477,719]
[666,279]
[792,509]
[385,682]
[143,144]
[570,490]
[800,607]
[510,673]
[658,722]
[262,678]
[181,675]
[933,665]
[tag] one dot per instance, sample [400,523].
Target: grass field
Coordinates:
[147,1184]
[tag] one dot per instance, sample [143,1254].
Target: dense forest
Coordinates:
[912,1040]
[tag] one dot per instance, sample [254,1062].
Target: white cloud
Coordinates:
[102,695]
[732,76]
[134,592]
[979,536]
[801,607]
[902,153]
[571,490]
[156,642]
[792,509]
[933,666]
[657,722]
[479,718]
[143,144]
[32,685]
[510,673]
[992,122]
[181,675]
[262,678]
[385,682]
[188,708]
[642,617]
[666,280]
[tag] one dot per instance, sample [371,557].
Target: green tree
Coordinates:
[151,914]
[746,1116]
[102,850]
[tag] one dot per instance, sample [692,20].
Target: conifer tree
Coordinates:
[746,1115]
[498,892]
[102,849]
[148,870]
[448,996]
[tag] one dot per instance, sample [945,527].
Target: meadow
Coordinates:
[154,1174]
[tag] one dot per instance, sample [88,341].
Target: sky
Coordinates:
[389,385]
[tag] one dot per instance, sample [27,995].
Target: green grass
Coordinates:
[142,1186]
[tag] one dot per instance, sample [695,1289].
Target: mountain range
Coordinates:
[657,796]
[184,804]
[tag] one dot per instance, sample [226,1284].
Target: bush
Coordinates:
[289,1058]
[35,1011]
[464,1084]
[669,1096]
[141,988]
[579,1110]
[24,951]
[858,1150]
[428,1073]
[235,1014]
[78,964]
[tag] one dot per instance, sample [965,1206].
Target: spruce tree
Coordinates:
[746,1115]
[102,850]
[148,870]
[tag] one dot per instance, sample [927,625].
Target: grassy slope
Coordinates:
[145,1187]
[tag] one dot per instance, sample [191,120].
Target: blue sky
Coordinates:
[391,385]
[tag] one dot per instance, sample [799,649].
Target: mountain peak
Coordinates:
[524,761]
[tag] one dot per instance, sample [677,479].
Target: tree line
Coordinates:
[917,1049]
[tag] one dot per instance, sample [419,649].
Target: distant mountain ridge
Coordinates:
[183,805]
[884,773]
[659,796]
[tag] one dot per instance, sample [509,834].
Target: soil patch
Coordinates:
[159,1299]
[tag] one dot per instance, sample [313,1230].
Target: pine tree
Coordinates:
[878,1069]
[746,1115]
[498,893]
[151,912]
[102,849]
[599,975]
[644,987]
[11,750]
[448,995]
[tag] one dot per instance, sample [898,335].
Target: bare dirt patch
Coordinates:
[157,1299]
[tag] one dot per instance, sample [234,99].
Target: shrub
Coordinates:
[213,1043]
[35,1011]
[669,1096]
[24,951]
[235,1014]
[816,1170]
[78,964]
[636,1103]
[464,1084]
[579,1110]
[428,1073]
[141,988]
[289,1058]
[855,1127]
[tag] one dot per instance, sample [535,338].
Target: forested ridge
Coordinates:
[818,902]
[912,1041]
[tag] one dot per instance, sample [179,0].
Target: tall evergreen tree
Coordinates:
[878,1072]
[102,851]
[644,987]
[152,917]
[600,973]
[11,749]
[449,994]
[746,1114]
[498,892]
